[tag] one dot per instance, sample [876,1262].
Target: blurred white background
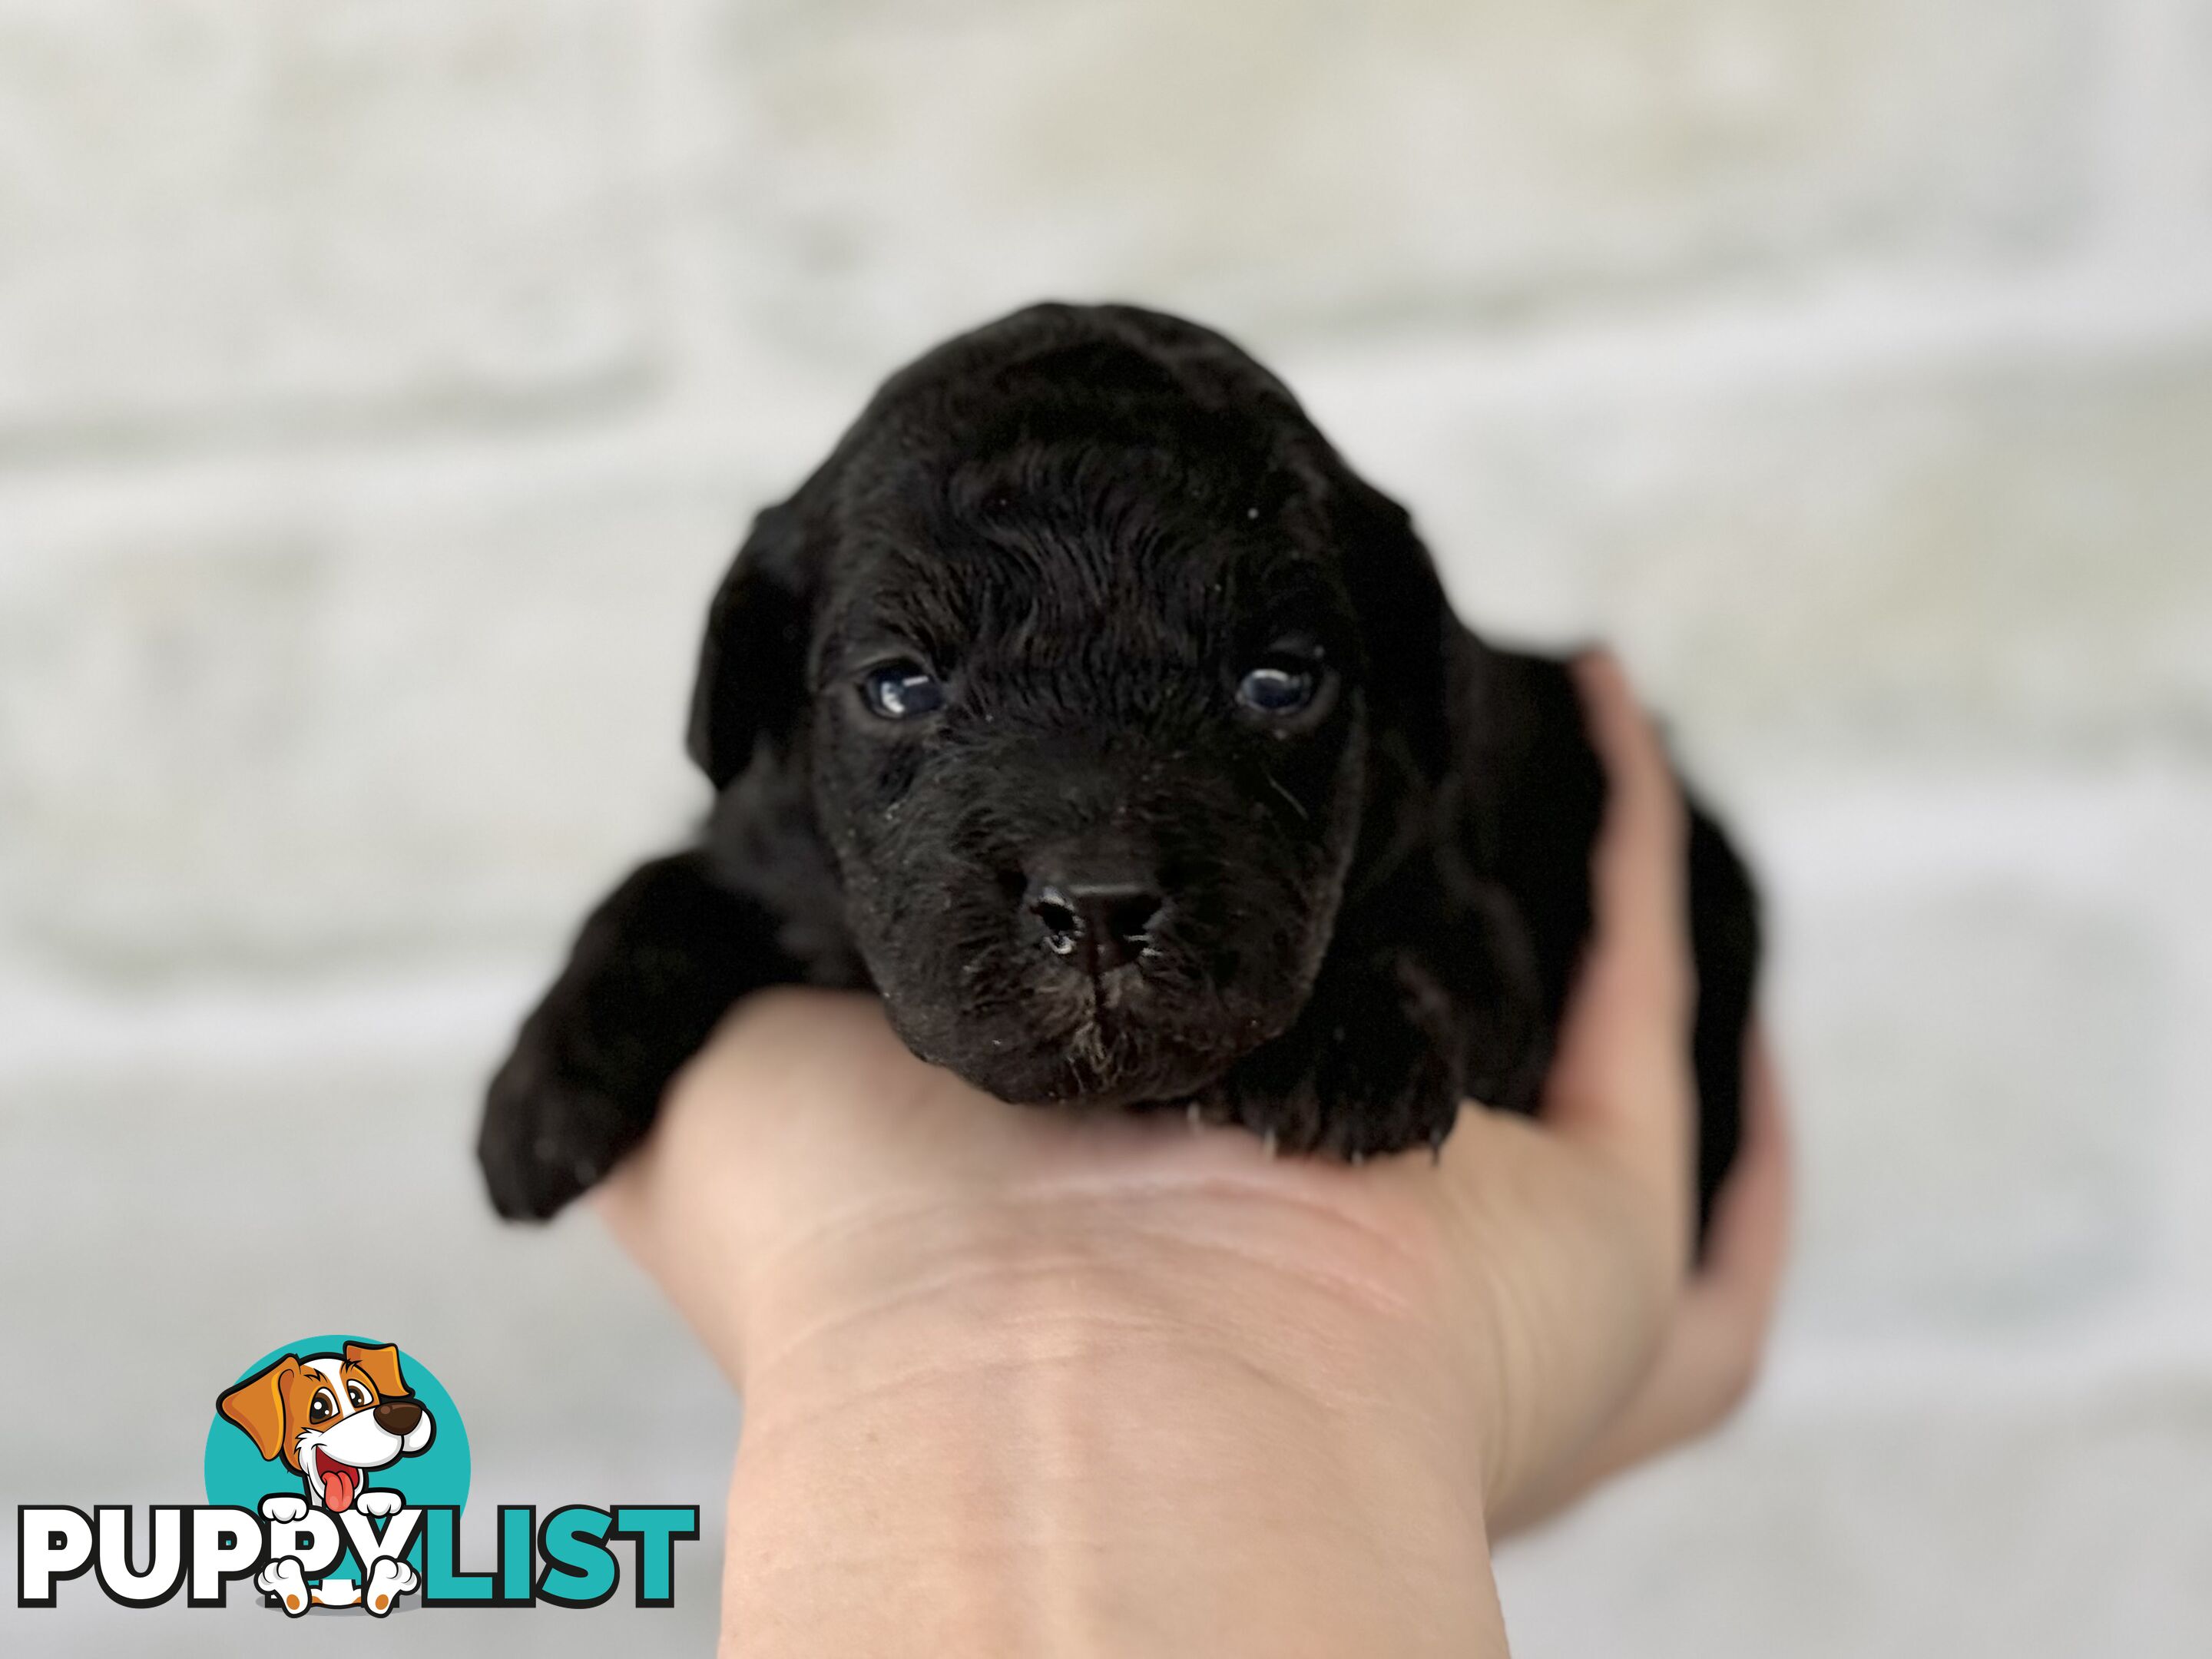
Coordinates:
[384,384]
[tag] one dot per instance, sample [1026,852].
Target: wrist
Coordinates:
[1036,1428]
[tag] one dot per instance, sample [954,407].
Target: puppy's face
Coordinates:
[1089,660]
[1087,734]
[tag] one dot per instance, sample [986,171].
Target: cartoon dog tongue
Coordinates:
[340,1481]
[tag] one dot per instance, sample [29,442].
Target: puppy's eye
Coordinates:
[322,1407]
[901,691]
[1279,689]
[358,1394]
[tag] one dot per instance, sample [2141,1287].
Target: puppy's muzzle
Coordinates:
[1097,925]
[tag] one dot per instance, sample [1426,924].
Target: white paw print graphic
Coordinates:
[281,1578]
[388,1580]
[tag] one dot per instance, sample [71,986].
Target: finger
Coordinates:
[1711,1352]
[1621,1079]
[1637,868]
[1749,1244]
[1711,1355]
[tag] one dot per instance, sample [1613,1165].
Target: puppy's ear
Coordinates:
[1409,631]
[752,666]
[382,1365]
[256,1405]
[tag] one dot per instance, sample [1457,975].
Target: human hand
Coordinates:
[1711,1353]
[1102,1357]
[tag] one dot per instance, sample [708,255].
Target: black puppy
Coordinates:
[1086,705]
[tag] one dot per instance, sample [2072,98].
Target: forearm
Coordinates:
[988,1473]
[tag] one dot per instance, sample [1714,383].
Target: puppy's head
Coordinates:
[331,1418]
[1087,650]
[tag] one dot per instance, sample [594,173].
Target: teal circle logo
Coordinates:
[327,1419]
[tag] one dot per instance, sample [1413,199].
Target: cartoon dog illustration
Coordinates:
[332,1418]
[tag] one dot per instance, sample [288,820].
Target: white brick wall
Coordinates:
[382,386]
[228,215]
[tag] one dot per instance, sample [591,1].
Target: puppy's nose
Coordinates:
[397,1416]
[1099,925]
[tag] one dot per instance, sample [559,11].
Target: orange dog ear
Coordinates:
[256,1405]
[382,1365]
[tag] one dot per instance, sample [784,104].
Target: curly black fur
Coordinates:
[1328,925]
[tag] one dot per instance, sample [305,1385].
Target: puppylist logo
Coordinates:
[336,1471]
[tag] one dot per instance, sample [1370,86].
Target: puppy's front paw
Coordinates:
[379,1500]
[283,1507]
[1361,1074]
[548,1133]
